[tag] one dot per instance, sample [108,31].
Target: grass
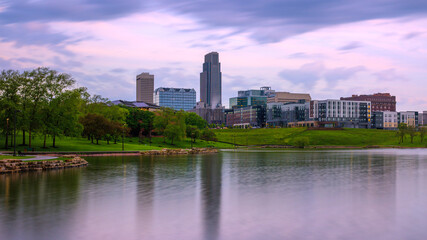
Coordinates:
[12,157]
[289,136]
[72,144]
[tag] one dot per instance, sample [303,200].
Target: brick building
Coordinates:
[381,102]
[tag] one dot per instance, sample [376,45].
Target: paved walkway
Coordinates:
[34,157]
[38,157]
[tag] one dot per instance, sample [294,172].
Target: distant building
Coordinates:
[210,81]
[251,98]
[144,87]
[384,120]
[287,97]
[343,113]
[210,115]
[140,105]
[410,118]
[176,98]
[422,118]
[284,114]
[243,117]
[380,101]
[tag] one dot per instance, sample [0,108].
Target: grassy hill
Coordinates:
[290,136]
[66,144]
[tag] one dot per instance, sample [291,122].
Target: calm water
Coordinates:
[375,194]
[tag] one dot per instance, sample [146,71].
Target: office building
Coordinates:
[251,98]
[287,97]
[244,117]
[380,101]
[176,98]
[145,87]
[210,81]
[284,114]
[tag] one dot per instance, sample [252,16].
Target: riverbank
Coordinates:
[20,165]
[303,137]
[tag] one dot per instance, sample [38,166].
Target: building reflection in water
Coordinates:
[211,177]
[145,194]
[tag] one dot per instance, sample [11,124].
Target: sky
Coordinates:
[329,48]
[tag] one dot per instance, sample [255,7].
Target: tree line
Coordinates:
[46,103]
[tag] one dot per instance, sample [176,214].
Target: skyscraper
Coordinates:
[144,87]
[210,81]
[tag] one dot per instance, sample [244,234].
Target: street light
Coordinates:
[123,138]
[14,134]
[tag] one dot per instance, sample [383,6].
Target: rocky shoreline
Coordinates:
[167,151]
[18,165]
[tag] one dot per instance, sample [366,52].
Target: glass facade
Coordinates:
[176,98]
[210,81]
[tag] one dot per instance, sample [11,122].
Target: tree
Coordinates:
[173,132]
[208,135]
[161,121]
[46,85]
[9,100]
[193,133]
[195,120]
[401,132]
[412,131]
[95,126]
[422,131]
[140,122]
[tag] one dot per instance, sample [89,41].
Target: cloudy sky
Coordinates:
[329,48]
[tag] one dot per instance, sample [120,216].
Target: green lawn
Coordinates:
[288,136]
[66,144]
[12,157]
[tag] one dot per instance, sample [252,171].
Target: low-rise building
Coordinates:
[410,118]
[384,120]
[344,113]
[135,104]
[210,115]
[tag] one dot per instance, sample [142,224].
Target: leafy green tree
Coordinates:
[195,120]
[422,131]
[9,100]
[173,132]
[412,132]
[193,133]
[161,121]
[95,126]
[401,132]
[208,135]
[140,121]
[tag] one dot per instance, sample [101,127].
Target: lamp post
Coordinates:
[123,138]
[14,134]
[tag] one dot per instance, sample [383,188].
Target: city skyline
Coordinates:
[354,48]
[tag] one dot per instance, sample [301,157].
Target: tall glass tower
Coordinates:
[210,81]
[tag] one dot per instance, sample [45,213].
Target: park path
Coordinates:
[38,157]
[34,157]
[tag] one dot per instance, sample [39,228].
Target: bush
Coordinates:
[301,142]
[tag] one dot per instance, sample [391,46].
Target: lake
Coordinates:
[246,194]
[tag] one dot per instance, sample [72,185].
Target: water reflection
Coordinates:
[211,176]
[374,194]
